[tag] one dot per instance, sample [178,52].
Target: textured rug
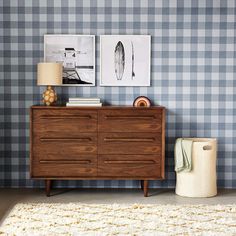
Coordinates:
[102,219]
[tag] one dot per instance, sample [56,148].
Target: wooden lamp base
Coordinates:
[49,96]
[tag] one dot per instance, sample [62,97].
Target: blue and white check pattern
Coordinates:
[193,70]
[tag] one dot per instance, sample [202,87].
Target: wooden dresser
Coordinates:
[97,143]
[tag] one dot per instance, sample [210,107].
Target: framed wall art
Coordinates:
[125,60]
[76,53]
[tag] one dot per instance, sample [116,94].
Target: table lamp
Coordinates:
[49,73]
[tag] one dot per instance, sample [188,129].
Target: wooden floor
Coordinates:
[10,197]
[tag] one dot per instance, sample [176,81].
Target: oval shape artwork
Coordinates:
[119,60]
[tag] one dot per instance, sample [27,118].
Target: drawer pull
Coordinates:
[129,139]
[65,117]
[65,139]
[65,161]
[129,117]
[129,162]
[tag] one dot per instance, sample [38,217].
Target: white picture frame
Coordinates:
[76,53]
[125,60]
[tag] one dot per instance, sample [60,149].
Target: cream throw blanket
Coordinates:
[183,155]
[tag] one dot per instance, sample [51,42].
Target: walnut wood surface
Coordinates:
[48,184]
[134,158]
[97,143]
[141,184]
[130,120]
[129,143]
[145,188]
[136,166]
[123,108]
[64,123]
[68,148]
[59,169]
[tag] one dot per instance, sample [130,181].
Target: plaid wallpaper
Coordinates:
[193,70]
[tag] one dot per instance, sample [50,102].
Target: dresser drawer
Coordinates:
[129,143]
[65,169]
[83,143]
[129,159]
[137,166]
[68,151]
[130,120]
[64,122]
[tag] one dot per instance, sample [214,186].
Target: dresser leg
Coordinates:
[141,183]
[48,184]
[145,188]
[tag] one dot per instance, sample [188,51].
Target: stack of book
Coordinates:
[84,102]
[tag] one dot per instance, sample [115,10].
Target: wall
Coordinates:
[193,70]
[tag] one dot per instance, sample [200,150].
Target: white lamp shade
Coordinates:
[49,73]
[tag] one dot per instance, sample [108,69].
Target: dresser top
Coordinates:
[94,108]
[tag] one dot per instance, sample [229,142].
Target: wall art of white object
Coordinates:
[76,53]
[125,60]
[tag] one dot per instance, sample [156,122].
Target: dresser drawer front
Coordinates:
[84,143]
[129,159]
[64,123]
[129,143]
[65,152]
[63,169]
[130,120]
[136,166]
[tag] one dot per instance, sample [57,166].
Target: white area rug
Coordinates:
[117,219]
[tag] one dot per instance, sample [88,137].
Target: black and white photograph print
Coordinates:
[125,60]
[76,53]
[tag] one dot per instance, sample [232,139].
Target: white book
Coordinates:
[68,104]
[84,99]
[84,102]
